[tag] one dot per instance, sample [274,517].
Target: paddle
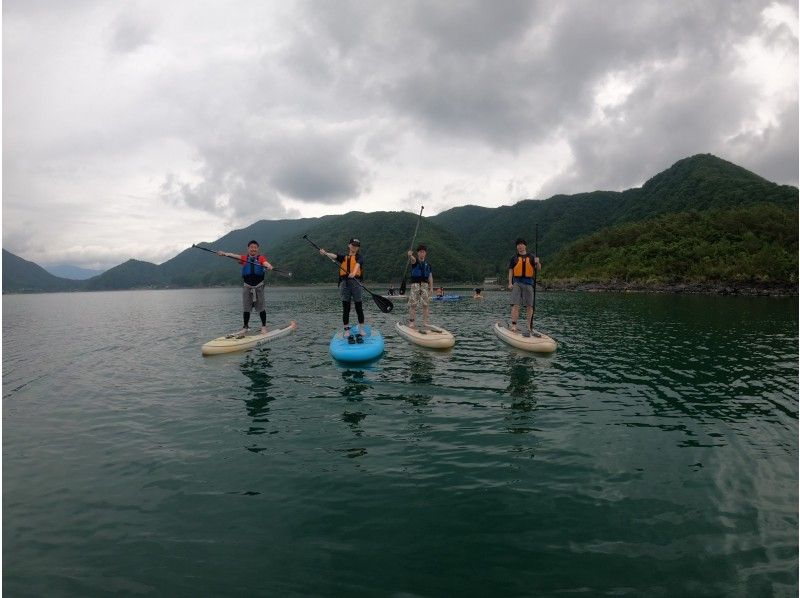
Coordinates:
[285,273]
[383,303]
[410,248]
[535,255]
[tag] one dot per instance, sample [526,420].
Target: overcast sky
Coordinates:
[134,129]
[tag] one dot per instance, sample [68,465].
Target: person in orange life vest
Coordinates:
[521,272]
[351,268]
[421,285]
[253,271]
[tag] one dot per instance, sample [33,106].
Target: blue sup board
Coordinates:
[371,348]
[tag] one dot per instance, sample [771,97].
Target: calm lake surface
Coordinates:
[654,454]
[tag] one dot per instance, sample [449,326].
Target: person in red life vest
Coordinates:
[254,268]
[521,273]
[351,270]
[421,285]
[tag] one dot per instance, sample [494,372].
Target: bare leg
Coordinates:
[514,316]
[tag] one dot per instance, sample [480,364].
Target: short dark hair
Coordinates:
[249,243]
[520,240]
[421,247]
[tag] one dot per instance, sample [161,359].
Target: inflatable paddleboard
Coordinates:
[536,342]
[446,298]
[371,348]
[432,336]
[396,297]
[231,343]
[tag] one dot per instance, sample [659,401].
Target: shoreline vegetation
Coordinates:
[735,288]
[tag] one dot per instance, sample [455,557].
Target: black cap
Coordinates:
[520,240]
[354,241]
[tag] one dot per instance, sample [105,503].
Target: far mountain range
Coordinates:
[703,220]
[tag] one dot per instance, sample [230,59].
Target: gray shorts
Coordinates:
[350,290]
[522,294]
[253,297]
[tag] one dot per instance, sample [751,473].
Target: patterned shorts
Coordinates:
[419,294]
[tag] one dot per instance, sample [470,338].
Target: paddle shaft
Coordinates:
[410,248]
[383,304]
[535,256]
[276,270]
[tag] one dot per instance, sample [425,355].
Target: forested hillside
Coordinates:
[698,183]
[702,219]
[757,244]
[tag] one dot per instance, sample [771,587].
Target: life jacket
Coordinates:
[252,270]
[348,265]
[420,271]
[524,267]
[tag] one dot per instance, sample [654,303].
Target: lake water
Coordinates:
[654,454]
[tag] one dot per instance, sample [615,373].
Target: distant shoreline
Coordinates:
[677,288]
[612,286]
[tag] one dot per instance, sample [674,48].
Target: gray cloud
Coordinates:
[246,174]
[131,30]
[231,113]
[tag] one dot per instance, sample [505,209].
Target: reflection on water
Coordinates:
[654,454]
[355,384]
[256,366]
[420,367]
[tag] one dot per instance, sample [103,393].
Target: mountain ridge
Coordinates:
[465,243]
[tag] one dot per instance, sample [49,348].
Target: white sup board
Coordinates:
[432,337]
[536,342]
[231,343]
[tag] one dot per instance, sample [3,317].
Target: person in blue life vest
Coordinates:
[351,270]
[521,272]
[421,286]
[254,267]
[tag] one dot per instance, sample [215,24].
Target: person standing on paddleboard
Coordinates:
[351,269]
[421,285]
[521,272]
[254,268]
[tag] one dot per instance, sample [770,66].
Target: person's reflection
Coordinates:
[355,384]
[256,366]
[420,372]
[522,389]
[421,367]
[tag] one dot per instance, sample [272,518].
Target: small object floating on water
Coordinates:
[446,298]
[370,348]
[232,343]
[535,342]
[432,337]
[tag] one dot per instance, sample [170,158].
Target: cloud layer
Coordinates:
[133,130]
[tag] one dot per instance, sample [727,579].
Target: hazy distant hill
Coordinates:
[133,274]
[72,272]
[22,276]
[578,234]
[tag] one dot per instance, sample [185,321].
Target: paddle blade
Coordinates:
[403,286]
[383,304]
